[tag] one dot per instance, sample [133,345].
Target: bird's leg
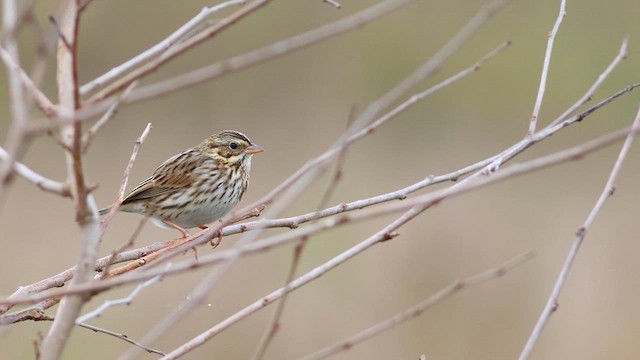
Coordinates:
[185,234]
[214,244]
[183,231]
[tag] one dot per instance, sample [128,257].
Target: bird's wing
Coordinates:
[173,175]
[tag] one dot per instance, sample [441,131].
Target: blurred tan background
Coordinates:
[296,106]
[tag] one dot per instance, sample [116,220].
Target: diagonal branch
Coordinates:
[157,49]
[261,55]
[419,308]
[40,181]
[178,49]
[609,189]
[622,54]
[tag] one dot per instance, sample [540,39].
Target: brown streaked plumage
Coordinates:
[197,186]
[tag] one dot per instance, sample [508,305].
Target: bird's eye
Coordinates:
[233,146]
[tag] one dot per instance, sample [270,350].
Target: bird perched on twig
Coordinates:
[197,186]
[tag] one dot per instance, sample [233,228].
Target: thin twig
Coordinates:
[43,47]
[41,99]
[33,177]
[115,254]
[121,337]
[15,141]
[122,301]
[108,115]
[264,54]
[157,49]
[622,54]
[125,177]
[420,307]
[178,49]
[545,69]
[339,168]
[274,324]
[609,188]
[430,91]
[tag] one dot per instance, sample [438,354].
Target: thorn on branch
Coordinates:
[612,190]
[581,232]
[388,236]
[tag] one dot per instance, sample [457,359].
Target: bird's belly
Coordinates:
[202,214]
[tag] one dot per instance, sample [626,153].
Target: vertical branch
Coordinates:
[86,210]
[545,69]
[609,189]
[274,324]
[18,104]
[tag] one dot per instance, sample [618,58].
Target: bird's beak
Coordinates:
[253,149]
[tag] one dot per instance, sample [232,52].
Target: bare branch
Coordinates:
[430,91]
[86,210]
[263,54]
[274,323]
[108,115]
[122,301]
[42,100]
[609,188]
[157,49]
[419,308]
[17,98]
[178,49]
[545,69]
[121,337]
[622,54]
[40,181]
[81,321]
[125,176]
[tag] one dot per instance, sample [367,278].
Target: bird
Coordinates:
[197,186]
